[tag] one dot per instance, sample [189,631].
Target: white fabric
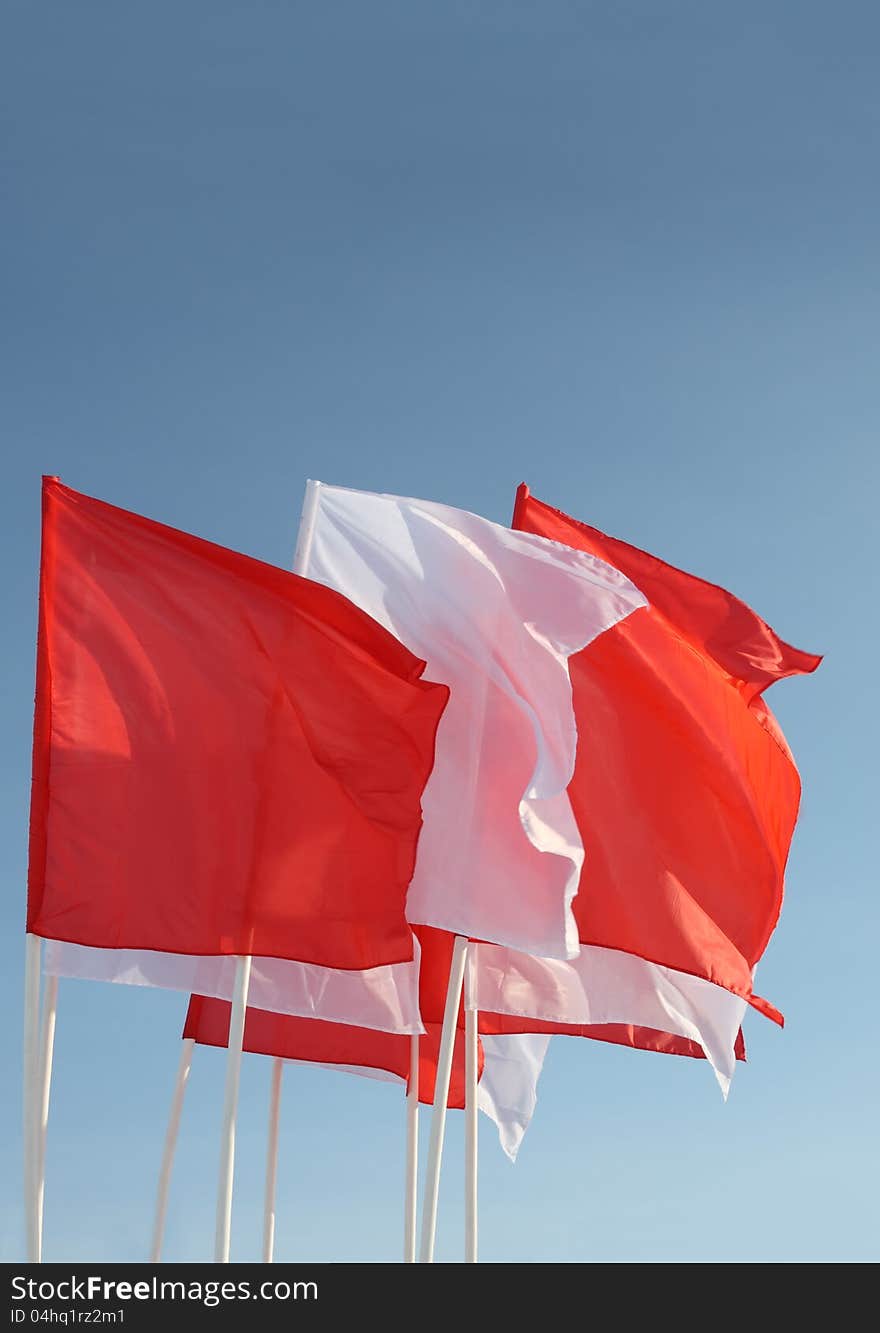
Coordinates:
[496,615]
[606,986]
[508,1089]
[384,998]
[362,1071]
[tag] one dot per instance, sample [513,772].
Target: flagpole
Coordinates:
[272,1162]
[230,1105]
[32,945]
[441,1097]
[44,1087]
[306,532]
[180,1082]
[410,1212]
[471,1060]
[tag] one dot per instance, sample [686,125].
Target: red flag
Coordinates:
[685,792]
[228,759]
[317,1042]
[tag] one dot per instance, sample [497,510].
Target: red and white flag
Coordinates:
[685,792]
[508,1066]
[228,759]
[496,615]
[603,994]
[612,996]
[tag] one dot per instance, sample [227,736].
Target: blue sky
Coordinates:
[626,252]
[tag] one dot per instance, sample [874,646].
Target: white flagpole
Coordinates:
[441,1097]
[32,944]
[183,1069]
[471,1053]
[306,528]
[306,532]
[44,1087]
[230,1105]
[272,1162]
[412,1154]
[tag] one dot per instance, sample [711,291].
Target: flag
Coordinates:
[685,791]
[508,1066]
[496,615]
[228,759]
[653,1008]
[603,994]
[315,1041]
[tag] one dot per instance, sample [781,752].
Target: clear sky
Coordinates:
[626,251]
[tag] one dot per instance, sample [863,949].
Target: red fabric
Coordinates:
[228,759]
[619,1034]
[311,1039]
[685,792]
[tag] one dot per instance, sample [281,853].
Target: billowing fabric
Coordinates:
[385,998]
[228,759]
[316,1042]
[508,1066]
[685,792]
[526,994]
[496,615]
[606,987]
[508,1090]
[602,994]
[615,1034]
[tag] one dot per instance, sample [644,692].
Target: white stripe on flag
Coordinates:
[384,998]
[607,986]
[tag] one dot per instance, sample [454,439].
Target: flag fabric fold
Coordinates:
[496,615]
[673,727]
[602,994]
[508,1091]
[385,998]
[508,1065]
[606,988]
[228,759]
[314,1041]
